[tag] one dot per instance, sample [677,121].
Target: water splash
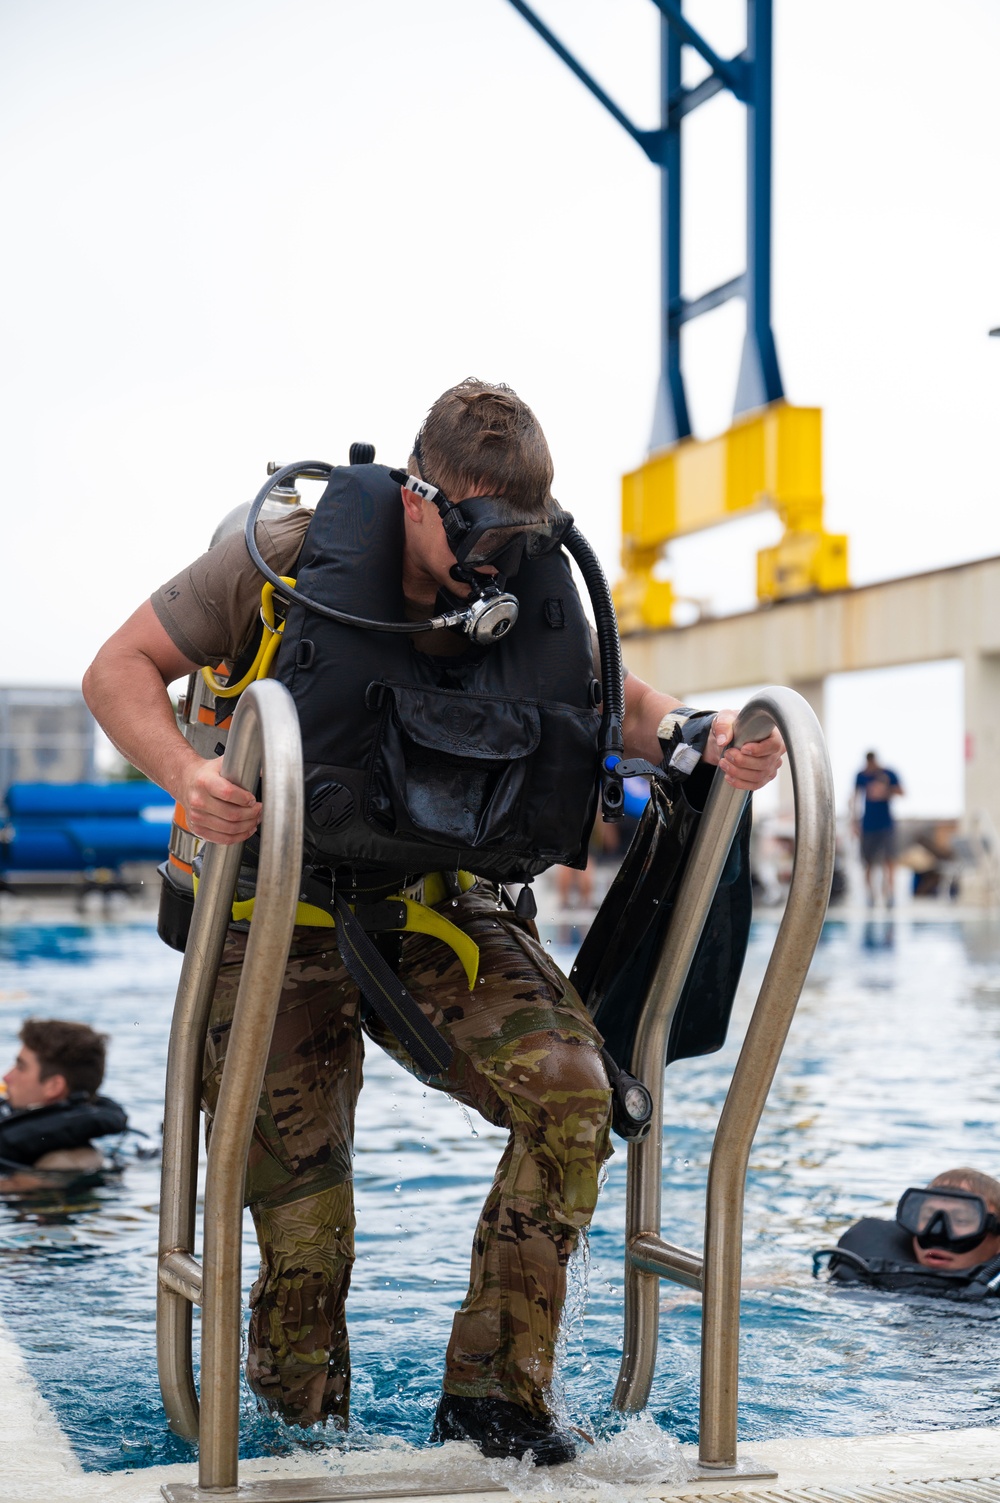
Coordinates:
[637,1452]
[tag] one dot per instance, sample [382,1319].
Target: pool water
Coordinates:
[887,1078]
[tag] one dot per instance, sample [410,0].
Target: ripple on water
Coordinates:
[886,1079]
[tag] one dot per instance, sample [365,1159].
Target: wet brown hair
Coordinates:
[481,435]
[973,1181]
[72,1050]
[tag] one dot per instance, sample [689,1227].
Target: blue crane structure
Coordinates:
[771,456]
[747,77]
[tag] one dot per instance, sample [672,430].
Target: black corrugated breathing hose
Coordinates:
[612,674]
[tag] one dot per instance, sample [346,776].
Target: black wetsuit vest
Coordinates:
[28,1134]
[879,1254]
[486,761]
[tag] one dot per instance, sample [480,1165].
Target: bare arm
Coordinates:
[126,689]
[751,767]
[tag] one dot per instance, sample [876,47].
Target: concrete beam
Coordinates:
[950,613]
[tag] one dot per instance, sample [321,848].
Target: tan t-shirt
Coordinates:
[210,609]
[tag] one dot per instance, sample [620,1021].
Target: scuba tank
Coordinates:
[204,718]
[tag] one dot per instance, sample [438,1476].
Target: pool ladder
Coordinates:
[264,739]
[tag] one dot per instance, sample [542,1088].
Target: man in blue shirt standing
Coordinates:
[874,789]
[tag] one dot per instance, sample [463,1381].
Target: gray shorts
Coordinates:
[878,846]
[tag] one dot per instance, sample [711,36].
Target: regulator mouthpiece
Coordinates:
[490,617]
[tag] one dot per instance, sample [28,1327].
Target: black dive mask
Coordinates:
[485,530]
[954,1219]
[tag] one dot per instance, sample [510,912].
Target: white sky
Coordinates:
[239,230]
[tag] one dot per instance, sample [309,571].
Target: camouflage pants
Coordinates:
[525,1056]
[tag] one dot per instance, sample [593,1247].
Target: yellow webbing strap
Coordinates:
[261,665]
[425,921]
[420,919]
[305,913]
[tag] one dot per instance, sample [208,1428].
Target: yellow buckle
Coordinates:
[435,890]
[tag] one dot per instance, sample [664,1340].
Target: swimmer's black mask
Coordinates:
[486,530]
[954,1219]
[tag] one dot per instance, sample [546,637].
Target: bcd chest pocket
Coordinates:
[446,766]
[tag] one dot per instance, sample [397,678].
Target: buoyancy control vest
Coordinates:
[414,762]
[27,1134]
[879,1254]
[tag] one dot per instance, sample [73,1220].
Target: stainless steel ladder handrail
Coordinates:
[264,739]
[648,1258]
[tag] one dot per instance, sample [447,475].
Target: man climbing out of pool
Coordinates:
[945,1240]
[428,758]
[51,1109]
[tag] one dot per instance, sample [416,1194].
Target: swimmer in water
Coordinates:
[51,1109]
[945,1239]
[954,1222]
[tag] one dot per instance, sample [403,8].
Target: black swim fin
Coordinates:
[615,966]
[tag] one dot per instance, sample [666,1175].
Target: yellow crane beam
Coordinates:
[768,458]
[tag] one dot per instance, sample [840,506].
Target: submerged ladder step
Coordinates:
[649,1253]
[182,1273]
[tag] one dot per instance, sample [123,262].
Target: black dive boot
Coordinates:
[500,1428]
